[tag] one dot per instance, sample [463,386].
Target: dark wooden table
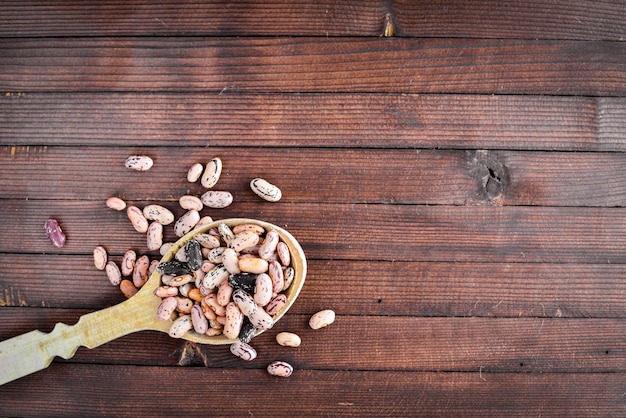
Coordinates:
[454,170]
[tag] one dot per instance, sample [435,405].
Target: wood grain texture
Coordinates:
[432,177]
[479,19]
[422,289]
[354,231]
[316,393]
[346,120]
[339,65]
[543,345]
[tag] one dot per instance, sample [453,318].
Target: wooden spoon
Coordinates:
[34,351]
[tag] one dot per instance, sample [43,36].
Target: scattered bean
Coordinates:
[217,199]
[322,319]
[265,190]
[186,223]
[128,262]
[280,368]
[154,238]
[243,350]
[116,203]
[158,213]
[113,273]
[140,272]
[54,233]
[212,173]
[194,173]
[140,223]
[188,202]
[139,162]
[128,288]
[288,339]
[100,257]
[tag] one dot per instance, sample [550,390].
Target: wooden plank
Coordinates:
[394,343]
[531,19]
[197,18]
[354,231]
[314,65]
[311,393]
[347,120]
[432,177]
[378,287]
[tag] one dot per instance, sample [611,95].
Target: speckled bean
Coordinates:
[211,173]
[165,248]
[224,293]
[198,320]
[242,240]
[139,222]
[263,289]
[154,236]
[217,199]
[127,288]
[283,253]
[55,233]
[140,272]
[113,273]
[214,255]
[231,261]
[265,190]
[322,319]
[275,272]
[139,162]
[165,291]
[182,279]
[100,257]
[183,304]
[243,350]
[189,202]
[194,173]
[257,229]
[128,262]
[207,240]
[280,368]
[226,233]
[193,254]
[269,244]
[245,302]
[180,326]
[166,308]
[234,321]
[276,304]
[288,339]
[115,203]
[289,273]
[213,278]
[253,265]
[205,220]
[152,267]
[207,266]
[159,214]
[261,319]
[186,223]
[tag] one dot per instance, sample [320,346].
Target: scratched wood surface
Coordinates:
[454,171]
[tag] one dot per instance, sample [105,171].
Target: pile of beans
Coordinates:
[227,281]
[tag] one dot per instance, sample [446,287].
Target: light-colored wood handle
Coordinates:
[35,350]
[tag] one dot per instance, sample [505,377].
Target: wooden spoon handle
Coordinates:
[35,350]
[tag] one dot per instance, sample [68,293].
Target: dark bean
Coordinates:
[244,281]
[173,268]
[193,252]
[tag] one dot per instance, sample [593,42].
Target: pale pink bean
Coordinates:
[100,257]
[269,244]
[283,254]
[154,238]
[243,350]
[280,368]
[166,308]
[140,272]
[263,289]
[128,262]
[224,293]
[212,173]
[231,261]
[234,321]
[261,319]
[276,304]
[54,233]
[189,202]
[139,222]
[183,304]
[199,321]
[115,203]
[113,273]
[180,326]
[275,272]
[165,291]
[194,173]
